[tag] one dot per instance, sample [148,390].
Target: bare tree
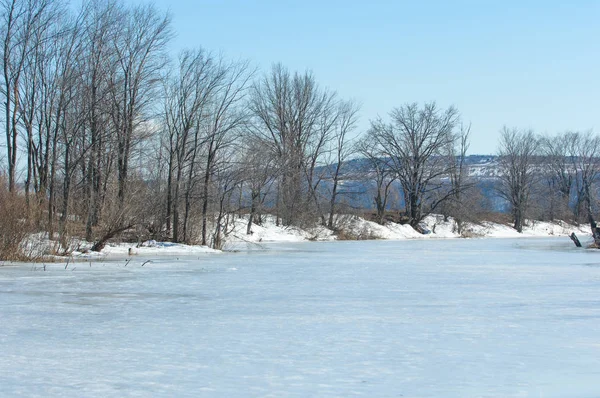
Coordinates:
[295,115]
[377,167]
[71,125]
[203,115]
[43,53]
[259,175]
[187,96]
[517,161]
[227,177]
[343,149]
[559,158]
[415,142]
[101,29]
[460,182]
[316,162]
[21,31]
[139,51]
[226,120]
[587,167]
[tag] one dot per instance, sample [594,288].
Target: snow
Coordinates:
[361,229]
[268,231]
[532,229]
[370,229]
[153,248]
[416,318]
[39,246]
[440,229]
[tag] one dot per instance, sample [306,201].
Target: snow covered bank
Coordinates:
[38,246]
[487,229]
[269,231]
[348,227]
[153,248]
[353,227]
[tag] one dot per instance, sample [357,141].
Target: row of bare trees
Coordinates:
[303,126]
[237,145]
[423,151]
[549,177]
[77,92]
[105,134]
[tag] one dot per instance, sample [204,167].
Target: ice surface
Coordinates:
[420,318]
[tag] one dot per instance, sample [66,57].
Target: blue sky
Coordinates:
[528,64]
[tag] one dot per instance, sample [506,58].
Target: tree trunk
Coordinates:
[98,246]
[254,195]
[332,204]
[205,206]
[169,194]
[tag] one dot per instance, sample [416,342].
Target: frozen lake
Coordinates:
[447,318]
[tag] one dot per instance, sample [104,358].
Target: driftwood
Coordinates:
[575,239]
[98,246]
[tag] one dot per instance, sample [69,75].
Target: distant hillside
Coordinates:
[357,183]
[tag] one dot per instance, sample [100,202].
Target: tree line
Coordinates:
[105,134]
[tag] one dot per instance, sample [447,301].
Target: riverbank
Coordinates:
[350,227]
[347,227]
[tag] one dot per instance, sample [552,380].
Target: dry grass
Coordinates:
[389,216]
[15,225]
[469,234]
[345,233]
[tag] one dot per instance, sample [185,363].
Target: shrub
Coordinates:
[14,225]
